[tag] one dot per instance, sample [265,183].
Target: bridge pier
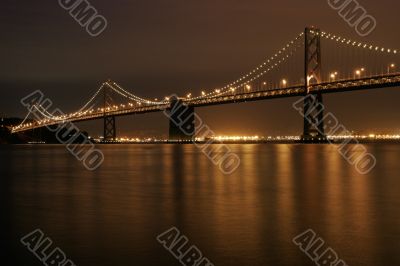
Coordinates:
[110,132]
[314,129]
[181,121]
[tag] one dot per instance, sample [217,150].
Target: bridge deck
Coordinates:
[372,82]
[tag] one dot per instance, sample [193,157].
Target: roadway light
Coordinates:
[284,82]
[203,93]
[264,85]
[391,67]
[217,90]
[333,76]
[357,73]
[248,87]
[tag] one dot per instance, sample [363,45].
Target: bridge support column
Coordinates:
[110,132]
[181,121]
[314,130]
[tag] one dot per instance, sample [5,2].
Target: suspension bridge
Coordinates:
[293,71]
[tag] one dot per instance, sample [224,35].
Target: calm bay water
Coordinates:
[113,215]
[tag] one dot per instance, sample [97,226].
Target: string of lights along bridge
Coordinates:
[295,70]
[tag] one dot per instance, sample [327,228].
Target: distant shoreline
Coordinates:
[336,142]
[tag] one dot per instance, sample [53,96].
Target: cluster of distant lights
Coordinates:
[236,138]
[132,140]
[213,138]
[244,139]
[256,138]
[370,136]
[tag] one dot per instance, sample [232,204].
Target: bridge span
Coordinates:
[246,89]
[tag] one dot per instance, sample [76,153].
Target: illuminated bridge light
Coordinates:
[244,82]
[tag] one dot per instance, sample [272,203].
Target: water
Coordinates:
[112,216]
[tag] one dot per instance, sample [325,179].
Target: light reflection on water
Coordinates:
[112,216]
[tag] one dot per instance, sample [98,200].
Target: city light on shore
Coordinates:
[255,138]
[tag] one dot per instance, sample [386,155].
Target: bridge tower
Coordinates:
[313,104]
[181,120]
[110,132]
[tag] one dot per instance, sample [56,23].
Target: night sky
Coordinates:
[156,47]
